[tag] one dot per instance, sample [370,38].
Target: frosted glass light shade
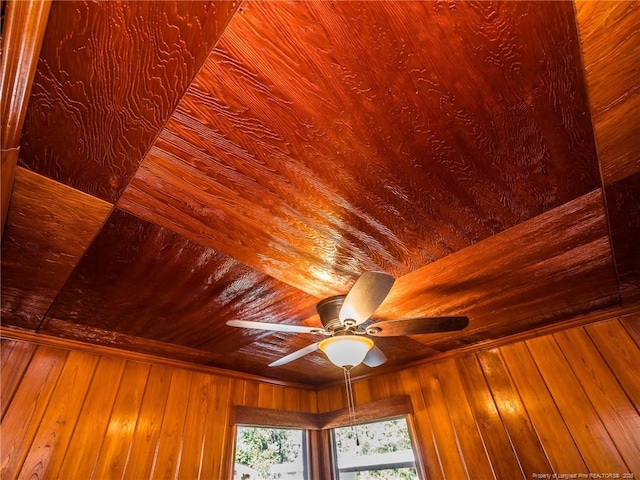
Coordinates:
[346,351]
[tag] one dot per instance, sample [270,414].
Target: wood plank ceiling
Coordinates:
[187,163]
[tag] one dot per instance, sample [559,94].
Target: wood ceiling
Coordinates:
[183,164]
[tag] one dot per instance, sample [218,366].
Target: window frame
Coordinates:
[366,468]
[304,447]
[320,454]
[278,419]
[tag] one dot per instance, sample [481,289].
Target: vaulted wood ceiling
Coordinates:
[187,163]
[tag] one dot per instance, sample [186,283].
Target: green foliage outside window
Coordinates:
[371,440]
[263,448]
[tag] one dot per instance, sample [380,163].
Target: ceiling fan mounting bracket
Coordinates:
[329,310]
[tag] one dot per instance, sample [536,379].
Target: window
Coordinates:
[270,453]
[377,450]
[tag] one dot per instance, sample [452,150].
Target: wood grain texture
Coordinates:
[497,443]
[610,41]
[49,226]
[555,438]
[184,293]
[632,325]
[109,88]
[541,406]
[361,168]
[27,408]
[444,436]
[58,423]
[615,345]
[468,436]
[513,412]
[93,421]
[623,211]
[609,399]
[595,443]
[147,433]
[23,28]
[114,452]
[16,357]
[505,284]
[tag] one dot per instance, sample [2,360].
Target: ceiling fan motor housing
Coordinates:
[329,311]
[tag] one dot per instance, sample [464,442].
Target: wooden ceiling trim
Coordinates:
[546,269]
[291,119]
[22,35]
[610,40]
[49,227]
[629,316]
[109,87]
[115,350]
[143,280]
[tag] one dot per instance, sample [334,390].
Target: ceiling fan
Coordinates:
[347,343]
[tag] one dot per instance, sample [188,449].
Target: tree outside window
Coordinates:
[269,453]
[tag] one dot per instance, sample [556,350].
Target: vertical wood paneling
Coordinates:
[496,440]
[194,427]
[562,403]
[424,432]
[28,406]
[632,326]
[618,350]
[17,355]
[93,421]
[513,413]
[56,428]
[591,436]
[468,437]
[217,429]
[450,460]
[169,450]
[122,423]
[543,412]
[147,434]
[618,414]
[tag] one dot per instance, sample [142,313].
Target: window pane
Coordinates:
[379,450]
[269,453]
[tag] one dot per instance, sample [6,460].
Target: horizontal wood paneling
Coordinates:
[505,285]
[37,261]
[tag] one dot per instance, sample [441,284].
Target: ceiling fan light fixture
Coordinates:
[346,351]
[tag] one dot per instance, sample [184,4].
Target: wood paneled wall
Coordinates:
[567,402]
[75,415]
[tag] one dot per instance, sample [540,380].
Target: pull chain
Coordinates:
[351,402]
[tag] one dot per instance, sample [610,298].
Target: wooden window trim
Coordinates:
[320,455]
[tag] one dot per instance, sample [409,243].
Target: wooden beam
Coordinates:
[269,417]
[21,41]
[378,410]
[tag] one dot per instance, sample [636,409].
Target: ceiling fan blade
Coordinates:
[366,295]
[276,327]
[375,357]
[417,326]
[295,355]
